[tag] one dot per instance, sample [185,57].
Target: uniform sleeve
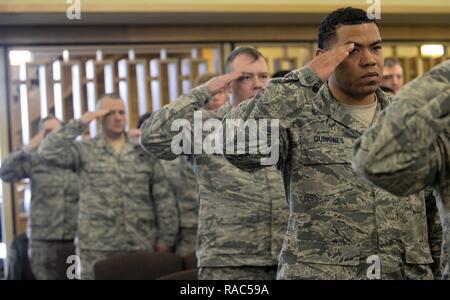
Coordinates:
[163,127]
[272,112]
[60,148]
[166,210]
[17,166]
[408,146]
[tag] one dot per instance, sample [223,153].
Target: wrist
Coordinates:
[202,94]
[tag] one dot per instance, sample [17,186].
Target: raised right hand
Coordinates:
[324,64]
[219,83]
[87,117]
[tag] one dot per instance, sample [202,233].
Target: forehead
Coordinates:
[393,69]
[109,103]
[246,63]
[364,34]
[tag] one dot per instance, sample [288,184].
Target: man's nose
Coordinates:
[259,83]
[367,59]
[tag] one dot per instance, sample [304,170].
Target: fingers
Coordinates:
[341,52]
[337,54]
[232,76]
[218,83]
[102,112]
[91,115]
[229,77]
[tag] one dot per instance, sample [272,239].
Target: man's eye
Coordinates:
[377,48]
[245,78]
[354,51]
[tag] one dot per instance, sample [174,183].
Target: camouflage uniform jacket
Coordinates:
[182,181]
[242,216]
[336,217]
[54,194]
[408,147]
[125,199]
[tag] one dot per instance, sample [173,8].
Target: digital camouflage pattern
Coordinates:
[242,216]
[237,273]
[54,194]
[408,147]
[53,207]
[337,220]
[125,199]
[182,182]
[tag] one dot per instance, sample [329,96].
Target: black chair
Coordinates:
[138,266]
[190,261]
[191,274]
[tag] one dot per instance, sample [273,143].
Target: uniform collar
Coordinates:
[325,103]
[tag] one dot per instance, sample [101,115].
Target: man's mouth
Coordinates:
[370,75]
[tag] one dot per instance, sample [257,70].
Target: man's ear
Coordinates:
[319,51]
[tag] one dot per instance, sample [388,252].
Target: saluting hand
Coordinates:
[87,117]
[219,83]
[324,64]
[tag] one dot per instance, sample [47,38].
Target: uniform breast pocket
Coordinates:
[101,173]
[328,182]
[324,153]
[326,168]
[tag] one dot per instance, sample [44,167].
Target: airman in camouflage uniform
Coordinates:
[54,203]
[340,227]
[182,181]
[408,146]
[242,216]
[125,201]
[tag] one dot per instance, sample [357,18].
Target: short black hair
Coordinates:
[341,16]
[142,119]
[247,50]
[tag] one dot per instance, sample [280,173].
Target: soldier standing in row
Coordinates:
[182,183]
[125,202]
[54,202]
[408,146]
[242,216]
[340,227]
